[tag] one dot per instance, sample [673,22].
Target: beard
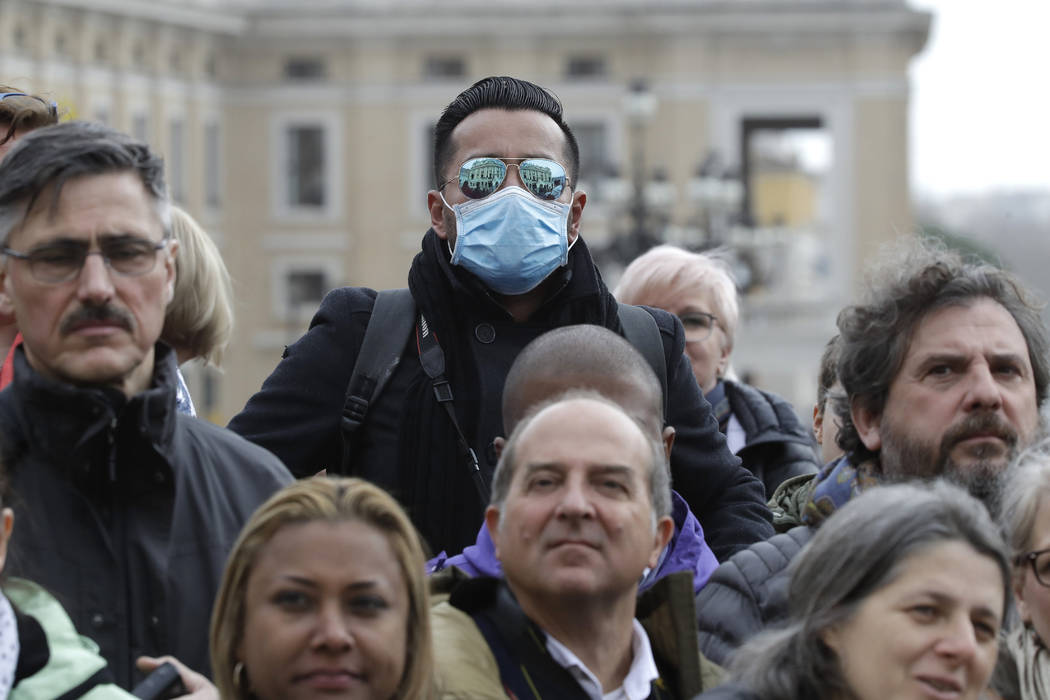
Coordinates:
[905,458]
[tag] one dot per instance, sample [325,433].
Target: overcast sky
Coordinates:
[981,97]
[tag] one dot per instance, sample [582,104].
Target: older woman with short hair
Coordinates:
[760,427]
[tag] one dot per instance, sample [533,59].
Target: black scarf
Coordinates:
[435,483]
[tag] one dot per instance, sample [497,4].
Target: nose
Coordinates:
[983,391]
[575,502]
[959,642]
[95,284]
[333,630]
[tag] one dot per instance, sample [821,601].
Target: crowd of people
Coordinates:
[609,513]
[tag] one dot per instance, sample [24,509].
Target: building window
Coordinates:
[304,68]
[212,165]
[102,115]
[305,288]
[19,37]
[306,168]
[444,67]
[140,128]
[60,44]
[305,185]
[786,163]
[299,283]
[593,139]
[585,67]
[176,161]
[101,51]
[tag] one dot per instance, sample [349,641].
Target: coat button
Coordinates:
[485,333]
[98,620]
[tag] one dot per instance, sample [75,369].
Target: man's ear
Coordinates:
[579,201]
[664,530]
[7,522]
[492,523]
[7,304]
[498,443]
[668,436]
[867,423]
[436,206]
[1023,610]
[169,265]
[818,424]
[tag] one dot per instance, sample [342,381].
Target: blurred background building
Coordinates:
[298,133]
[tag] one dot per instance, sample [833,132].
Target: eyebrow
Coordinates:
[944,599]
[310,583]
[598,469]
[956,357]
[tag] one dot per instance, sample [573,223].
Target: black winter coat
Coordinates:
[747,594]
[126,509]
[297,412]
[778,447]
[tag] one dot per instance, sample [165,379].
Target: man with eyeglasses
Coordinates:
[503,262]
[944,365]
[125,508]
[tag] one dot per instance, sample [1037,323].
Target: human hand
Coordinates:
[197,686]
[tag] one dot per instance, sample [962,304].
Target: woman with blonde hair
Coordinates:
[324,595]
[199,320]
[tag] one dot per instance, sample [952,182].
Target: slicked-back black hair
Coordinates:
[500,92]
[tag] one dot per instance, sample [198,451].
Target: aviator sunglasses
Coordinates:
[480,177]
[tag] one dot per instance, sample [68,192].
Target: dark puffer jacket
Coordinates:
[778,446]
[746,594]
[126,509]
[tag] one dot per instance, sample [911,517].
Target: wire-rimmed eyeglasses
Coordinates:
[55,263]
[1039,560]
[698,325]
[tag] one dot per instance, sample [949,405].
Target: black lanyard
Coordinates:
[432,357]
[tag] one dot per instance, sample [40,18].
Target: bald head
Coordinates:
[582,357]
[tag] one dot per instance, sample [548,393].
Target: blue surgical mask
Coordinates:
[511,240]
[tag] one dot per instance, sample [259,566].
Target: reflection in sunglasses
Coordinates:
[480,177]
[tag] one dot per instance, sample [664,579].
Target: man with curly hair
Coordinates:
[944,365]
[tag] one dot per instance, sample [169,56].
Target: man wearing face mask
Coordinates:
[502,263]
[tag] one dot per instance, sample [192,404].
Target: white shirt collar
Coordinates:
[637,685]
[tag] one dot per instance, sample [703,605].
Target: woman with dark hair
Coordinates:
[902,594]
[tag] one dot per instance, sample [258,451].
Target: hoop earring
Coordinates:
[240,677]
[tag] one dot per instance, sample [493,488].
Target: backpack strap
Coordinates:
[388,330]
[641,331]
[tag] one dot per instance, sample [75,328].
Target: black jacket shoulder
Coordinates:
[746,594]
[296,413]
[778,446]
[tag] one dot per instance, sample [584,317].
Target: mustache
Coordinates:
[95,314]
[979,424]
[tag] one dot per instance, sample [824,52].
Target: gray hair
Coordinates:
[1027,484]
[53,155]
[914,278]
[662,275]
[860,550]
[659,470]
